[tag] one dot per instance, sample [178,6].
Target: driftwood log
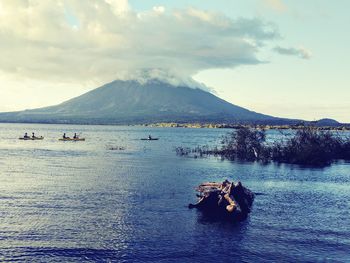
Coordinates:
[226,199]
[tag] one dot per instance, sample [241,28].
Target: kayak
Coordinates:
[149,139]
[71,139]
[31,138]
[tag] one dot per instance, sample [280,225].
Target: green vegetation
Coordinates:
[312,148]
[307,147]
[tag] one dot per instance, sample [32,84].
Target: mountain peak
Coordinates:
[155,75]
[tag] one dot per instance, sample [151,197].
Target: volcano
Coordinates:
[132,102]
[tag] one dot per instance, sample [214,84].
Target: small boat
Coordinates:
[149,139]
[71,139]
[31,138]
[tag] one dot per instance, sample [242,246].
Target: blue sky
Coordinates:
[287,86]
[301,71]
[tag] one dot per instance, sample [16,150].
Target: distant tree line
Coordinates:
[306,147]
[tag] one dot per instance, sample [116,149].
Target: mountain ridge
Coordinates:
[132,102]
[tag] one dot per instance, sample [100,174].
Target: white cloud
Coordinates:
[159,9]
[299,52]
[83,41]
[118,6]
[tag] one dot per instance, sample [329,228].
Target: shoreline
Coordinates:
[251,126]
[345,127]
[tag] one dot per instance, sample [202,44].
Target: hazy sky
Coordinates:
[279,57]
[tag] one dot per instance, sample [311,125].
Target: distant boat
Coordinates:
[71,139]
[149,139]
[31,138]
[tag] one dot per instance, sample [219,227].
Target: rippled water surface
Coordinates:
[80,202]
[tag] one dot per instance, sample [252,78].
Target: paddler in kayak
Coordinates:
[149,137]
[26,136]
[64,136]
[75,136]
[33,135]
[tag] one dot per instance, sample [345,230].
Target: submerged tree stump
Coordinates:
[224,200]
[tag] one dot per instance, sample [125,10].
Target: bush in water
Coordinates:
[307,147]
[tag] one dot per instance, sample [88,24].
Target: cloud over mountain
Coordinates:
[104,40]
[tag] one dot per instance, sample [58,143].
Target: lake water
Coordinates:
[79,202]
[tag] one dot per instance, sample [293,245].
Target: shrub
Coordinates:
[244,144]
[307,147]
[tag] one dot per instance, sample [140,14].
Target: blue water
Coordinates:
[80,202]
